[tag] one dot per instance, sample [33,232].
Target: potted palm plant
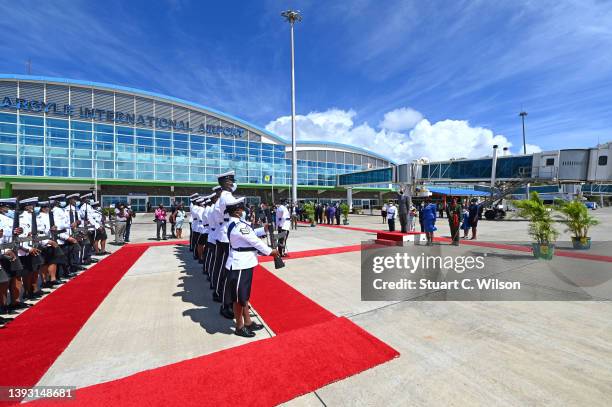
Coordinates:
[309,210]
[575,216]
[541,225]
[344,209]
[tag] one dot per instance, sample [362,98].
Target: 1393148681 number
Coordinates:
[20,393]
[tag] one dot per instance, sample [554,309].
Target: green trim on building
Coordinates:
[58,180]
[7,190]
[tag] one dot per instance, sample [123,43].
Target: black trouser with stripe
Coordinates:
[209,261]
[219,272]
[196,238]
[202,241]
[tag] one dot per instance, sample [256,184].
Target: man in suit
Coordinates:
[403,203]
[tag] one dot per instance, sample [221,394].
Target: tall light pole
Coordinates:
[292,16]
[523,114]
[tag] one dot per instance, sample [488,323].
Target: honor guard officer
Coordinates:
[283,223]
[9,259]
[100,235]
[228,186]
[209,261]
[68,238]
[198,211]
[29,253]
[51,252]
[192,199]
[206,208]
[195,224]
[72,214]
[244,246]
[61,234]
[86,215]
[216,220]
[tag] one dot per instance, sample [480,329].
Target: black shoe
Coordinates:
[254,327]
[244,332]
[18,305]
[226,312]
[216,297]
[47,284]
[93,260]
[39,294]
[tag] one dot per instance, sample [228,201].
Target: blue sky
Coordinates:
[405,78]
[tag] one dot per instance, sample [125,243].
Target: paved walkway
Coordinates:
[452,353]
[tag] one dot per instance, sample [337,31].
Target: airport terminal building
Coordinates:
[142,147]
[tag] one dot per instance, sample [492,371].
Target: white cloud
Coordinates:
[438,141]
[532,148]
[403,118]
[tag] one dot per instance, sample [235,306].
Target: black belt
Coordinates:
[206,224]
[244,249]
[213,229]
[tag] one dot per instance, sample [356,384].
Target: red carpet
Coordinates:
[35,339]
[315,252]
[160,243]
[312,347]
[561,253]
[282,306]
[275,370]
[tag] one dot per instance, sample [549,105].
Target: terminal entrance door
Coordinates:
[139,203]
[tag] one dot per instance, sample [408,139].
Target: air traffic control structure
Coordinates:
[585,171]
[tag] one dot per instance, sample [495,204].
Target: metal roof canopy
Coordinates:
[457,191]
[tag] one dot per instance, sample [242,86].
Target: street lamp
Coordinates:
[523,114]
[292,16]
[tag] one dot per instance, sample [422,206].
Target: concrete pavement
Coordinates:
[452,353]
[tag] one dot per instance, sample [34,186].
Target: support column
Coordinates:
[349,198]
[7,190]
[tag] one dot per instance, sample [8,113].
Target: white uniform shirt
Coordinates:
[25,222]
[222,218]
[75,214]
[391,210]
[43,224]
[196,223]
[87,211]
[62,223]
[283,220]
[205,222]
[243,235]
[97,217]
[6,224]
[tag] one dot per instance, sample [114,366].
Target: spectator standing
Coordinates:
[173,207]
[160,219]
[121,217]
[294,216]
[412,213]
[403,203]
[331,212]
[391,213]
[383,213]
[128,223]
[179,219]
[428,215]
[475,212]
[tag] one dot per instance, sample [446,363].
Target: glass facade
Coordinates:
[120,136]
[507,167]
[383,175]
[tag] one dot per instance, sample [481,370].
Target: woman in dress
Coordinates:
[429,220]
[179,219]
